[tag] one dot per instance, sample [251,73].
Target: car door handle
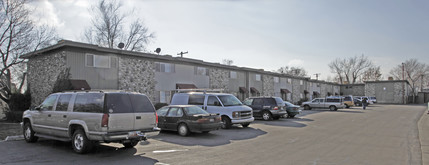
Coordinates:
[49,115]
[64,116]
[138,117]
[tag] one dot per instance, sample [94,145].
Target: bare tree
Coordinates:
[227,62]
[18,35]
[294,71]
[108,28]
[350,69]
[372,74]
[413,71]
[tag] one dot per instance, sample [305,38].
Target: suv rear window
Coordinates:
[141,103]
[270,102]
[196,99]
[118,103]
[89,102]
[348,98]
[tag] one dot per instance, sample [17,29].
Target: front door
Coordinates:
[43,116]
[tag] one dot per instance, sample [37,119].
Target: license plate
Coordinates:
[211,120]
[134,134]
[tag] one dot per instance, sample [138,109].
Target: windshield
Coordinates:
[194,110]
[229,100]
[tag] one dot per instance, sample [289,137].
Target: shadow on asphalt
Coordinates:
[213,138]
[102,154]
[285,122]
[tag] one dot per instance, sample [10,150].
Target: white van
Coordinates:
[231,110]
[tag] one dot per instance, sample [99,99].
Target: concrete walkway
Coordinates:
[423,126]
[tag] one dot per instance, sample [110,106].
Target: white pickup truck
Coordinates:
[333,103]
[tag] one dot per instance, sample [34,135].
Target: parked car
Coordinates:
[292,110]
[85,118]
[231,110]
[367,98]
[186,119]
[268,108]
[357,101]
[348,101]
[373,99]
[333,103]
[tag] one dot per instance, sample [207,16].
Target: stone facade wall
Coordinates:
[219,79]
[137,75]
[268,85]
[43,71]
[370,89]
[297,90]
[397,95]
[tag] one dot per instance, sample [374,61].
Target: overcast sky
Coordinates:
[268,34]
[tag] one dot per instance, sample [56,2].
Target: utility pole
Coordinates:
[317,76]
[421,83]
[403,83]
[182,53]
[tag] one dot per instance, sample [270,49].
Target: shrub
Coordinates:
[18,103]
[160,105]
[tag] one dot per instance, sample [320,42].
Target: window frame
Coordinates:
[94,61]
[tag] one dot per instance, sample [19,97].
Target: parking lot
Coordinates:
[382,134]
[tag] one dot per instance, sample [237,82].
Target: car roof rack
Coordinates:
[204,90]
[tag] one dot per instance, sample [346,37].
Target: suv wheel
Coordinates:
[266,115]
[131,144]
[332,108]
[183,130]
[226,123]
[29,133]
[81,144]
[306,107]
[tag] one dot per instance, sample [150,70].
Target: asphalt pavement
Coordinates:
[381,134]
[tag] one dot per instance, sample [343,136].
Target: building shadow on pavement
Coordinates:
[213,138]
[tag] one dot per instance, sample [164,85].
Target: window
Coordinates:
[258,77]
[201,71]
[289,81]
[229,100]
[270,102]
[63,102]
[89,102]
[162,112]
[248,102]
[311,84]
[194,110]
[164,67]
[97,61]
[196,100]
[48,104]
[175,112]
[258,102]
[213,101]
[164,96]
[141,103]
[276,79]
[301,82]
[118,103]
[233,75]
[301,96]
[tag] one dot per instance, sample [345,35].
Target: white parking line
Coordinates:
[167,151]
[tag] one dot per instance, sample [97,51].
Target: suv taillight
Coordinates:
[276,108]
[156,114]
[105,120]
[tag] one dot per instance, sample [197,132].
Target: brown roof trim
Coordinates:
[243,90]
[253,90]
[284,91]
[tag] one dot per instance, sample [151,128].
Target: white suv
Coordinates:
[231,110]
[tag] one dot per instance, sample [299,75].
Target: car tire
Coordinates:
[226,122]
[291,116]
[131,144]
[183,130]
[306,107]
[332,108]
[29,133]
[245,125]
[267,116]
[80,143]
